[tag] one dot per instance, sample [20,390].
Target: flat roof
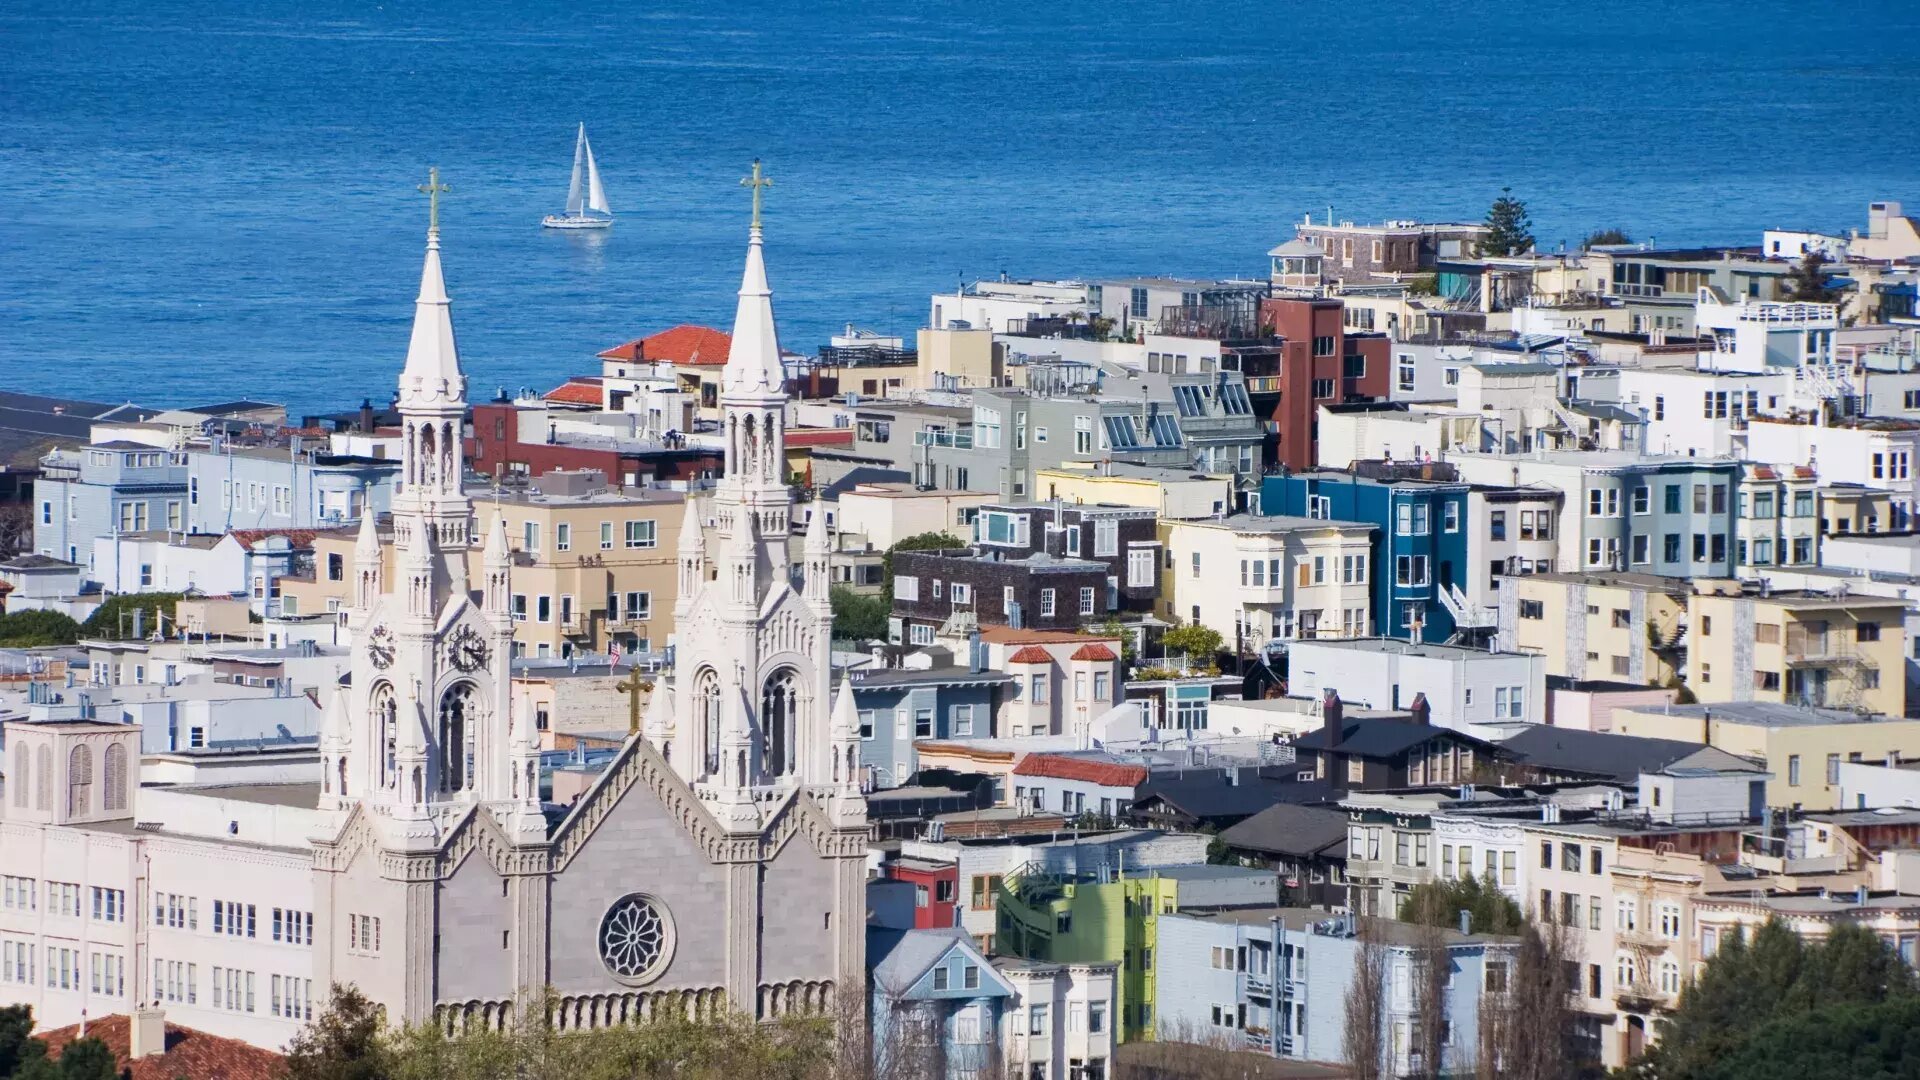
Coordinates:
[1300,919]
[1762,713]
[305,796]
[1276,523]
[1399,647]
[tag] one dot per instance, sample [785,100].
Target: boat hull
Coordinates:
[560,221]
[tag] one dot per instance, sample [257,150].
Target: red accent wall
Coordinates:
[497,442]
[1299,323]
[937,914]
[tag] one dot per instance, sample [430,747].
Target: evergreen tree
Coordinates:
[1835,1042]
[343,1043]
[1808,282]
[1509,230]
[88,1059]
[857,617]
[17,1044]
[1440,902]
[1610,235]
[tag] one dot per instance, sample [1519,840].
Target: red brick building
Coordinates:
[1308,359]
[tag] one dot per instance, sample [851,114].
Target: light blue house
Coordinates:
[105,489]
[935,1003]
[283,487]
[898,706]
[1219,979]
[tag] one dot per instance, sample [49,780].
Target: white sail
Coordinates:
[573,189]
[596,195]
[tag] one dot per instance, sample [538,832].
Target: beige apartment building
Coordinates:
[1801,747]
[593,564]
[1255,578]
[1620,627]
[1797,647]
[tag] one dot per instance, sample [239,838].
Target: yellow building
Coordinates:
[1801,747]
[957,358]
[1620,627]
[1797,646]
[591,564]
[1171,493]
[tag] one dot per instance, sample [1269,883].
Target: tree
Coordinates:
[857,617]
[1751,987]
[16,530]
[1508,227]
[1835,1042]
[17,1044]
[1602,237]
[1113,628]
[927,541]
[1200,643]
[1432,970]
[1363,1036]
[1808,281]
[1525,1025]
[88,1059]
[33,629]
[1440,902]
[342,1043]
[114,619]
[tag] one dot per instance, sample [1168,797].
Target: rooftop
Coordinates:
[1403,647]
[188,1052]
[303,796]
[1303,920]
[700,346]
[1765,714]
[1268,525]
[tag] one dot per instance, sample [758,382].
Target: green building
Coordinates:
[1107,918]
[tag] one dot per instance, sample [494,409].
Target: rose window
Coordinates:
[635,937]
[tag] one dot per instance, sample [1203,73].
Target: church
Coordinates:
[717,863]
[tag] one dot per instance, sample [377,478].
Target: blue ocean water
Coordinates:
[203,199]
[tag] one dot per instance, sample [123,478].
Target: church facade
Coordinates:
[718,862]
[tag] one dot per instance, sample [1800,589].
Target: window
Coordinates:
[866,723]
[1037,1018]
[906,587]
[642,534]
[1533,609]
[606,535]
[1410,570]
[639,606]
[1322,388]
[1037,689]
[1497,525]
[363,933]
[1642,499]
[1793,770]
[1140,566]
[1046,603]
[1106,538]
[1323,346]
[1086,600]
[1450,517]
[563,537]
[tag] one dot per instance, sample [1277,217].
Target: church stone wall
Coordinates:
[798,893]
[638,848]
[472,961]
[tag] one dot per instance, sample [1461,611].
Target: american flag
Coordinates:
[613,654]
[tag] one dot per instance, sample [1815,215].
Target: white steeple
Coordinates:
[432,374]
[753,374]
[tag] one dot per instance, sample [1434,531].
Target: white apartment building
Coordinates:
[1519,403]
[994,305]
[1701,413]
[1397,432]
[205,907]
[1776,521]
[1465,688]
[1080,996]
[1256,578]
[1876,453]
[1764,335]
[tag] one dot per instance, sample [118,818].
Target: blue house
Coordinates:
[1219,979]
[1419,514]
[898,706]
[935,1003]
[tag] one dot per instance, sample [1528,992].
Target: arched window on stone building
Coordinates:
[79,780]
[116,776]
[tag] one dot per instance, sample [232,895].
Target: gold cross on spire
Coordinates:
[432,189]
[755,183]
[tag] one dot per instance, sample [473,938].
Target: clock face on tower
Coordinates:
[468,650]
[380,647]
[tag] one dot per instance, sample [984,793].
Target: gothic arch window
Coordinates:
[706,705]
[450,455]
[116,776]
[386,737]
[79,780]
[459,723]
[21,776]
[44,789]
[779,720]
[426,456]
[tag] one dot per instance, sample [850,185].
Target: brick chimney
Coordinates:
[147,1032]
[1331,717]
[1422,712]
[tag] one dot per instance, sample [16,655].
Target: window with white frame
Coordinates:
[1141,560]
[1106,538]
[642,534]
[1046,603]
[960,719]
[906,587]
[1086,600]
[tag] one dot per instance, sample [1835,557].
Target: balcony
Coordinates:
[1263,384]
[952,440]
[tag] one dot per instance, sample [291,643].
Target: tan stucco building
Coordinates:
[1795,646]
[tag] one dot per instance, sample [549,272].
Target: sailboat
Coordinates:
[587,212]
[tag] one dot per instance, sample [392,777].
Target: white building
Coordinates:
[1874,453]
[718,862]
[1764,335]
[1080,997]
[236,564]
[1465,688]
[1394,432]
[999,305]
[1255,578]
[1701,413]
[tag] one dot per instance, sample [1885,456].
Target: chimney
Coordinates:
[1466,921]
[366,415]
[1330,717]
[1860,895]
[1422,712]
[147,1032]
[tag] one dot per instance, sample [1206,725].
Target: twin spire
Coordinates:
[753,373]
[433,371]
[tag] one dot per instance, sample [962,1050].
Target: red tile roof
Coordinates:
[579,390]
[684,344]
[299,538]
[190,1053]
[1095,651]
[820,437]
[1006,635]
[1061,767]
[1032,654]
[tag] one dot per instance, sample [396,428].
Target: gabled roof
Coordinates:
[1095,651]
[902,957]
[686,344]
[1032,654]
[299,538]
[1287,829]
[1086,770]
[1616,757]
[1208,797]
[579,390]
[189,1053]
[1381,737]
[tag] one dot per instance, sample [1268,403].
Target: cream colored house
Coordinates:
[1801,747]
[1613,626]
[1798,647]
[1179,494]
[1255,578]
[953,358]
[885,514]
